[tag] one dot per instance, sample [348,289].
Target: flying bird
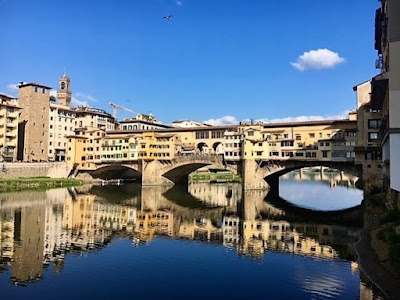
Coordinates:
[169,17]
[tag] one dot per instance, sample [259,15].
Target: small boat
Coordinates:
[112,182]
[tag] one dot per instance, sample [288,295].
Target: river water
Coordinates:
[205,241]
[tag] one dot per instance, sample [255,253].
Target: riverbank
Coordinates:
[10,185]
[373,254]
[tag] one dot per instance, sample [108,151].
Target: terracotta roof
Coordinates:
[7,96]
[306,123]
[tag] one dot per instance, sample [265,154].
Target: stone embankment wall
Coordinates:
[17,170]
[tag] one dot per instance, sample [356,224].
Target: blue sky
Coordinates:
[214,58]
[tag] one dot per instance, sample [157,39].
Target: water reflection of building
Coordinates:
[92,222]
[153,222]
[217,195]
[231,234]
[259,235]
[84,222]
[27,265]
[200,229]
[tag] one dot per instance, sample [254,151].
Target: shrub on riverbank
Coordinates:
[35,183]
[391,237]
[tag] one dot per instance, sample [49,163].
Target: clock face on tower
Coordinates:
[62,85]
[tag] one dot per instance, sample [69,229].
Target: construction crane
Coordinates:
[116,107]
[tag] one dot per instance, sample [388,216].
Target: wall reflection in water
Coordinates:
[38,229]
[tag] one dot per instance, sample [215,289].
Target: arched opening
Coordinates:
[202,149]
[218,148]
[117,172]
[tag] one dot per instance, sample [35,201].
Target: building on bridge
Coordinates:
[330,140]
[314,141]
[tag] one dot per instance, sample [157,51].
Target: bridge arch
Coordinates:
[284,167]
[116,171]
[182,167]
[277,169]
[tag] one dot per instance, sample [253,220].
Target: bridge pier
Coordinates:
[152,174]
[253,175]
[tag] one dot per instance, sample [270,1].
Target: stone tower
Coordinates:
[33,127]
[64,91]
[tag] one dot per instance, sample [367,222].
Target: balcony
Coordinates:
[8,153]
[12,115]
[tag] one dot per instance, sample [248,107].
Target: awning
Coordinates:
[379,86]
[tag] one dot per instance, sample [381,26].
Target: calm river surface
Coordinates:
[205,241]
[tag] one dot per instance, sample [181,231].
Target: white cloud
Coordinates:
[85,97]
[317,59]
[230,120]
[12,87]
[178,2]
[227,120]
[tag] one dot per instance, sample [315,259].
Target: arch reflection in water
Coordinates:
[321,189]
[53,224]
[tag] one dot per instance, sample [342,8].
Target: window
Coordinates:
[202,135]
[350,154]
[321,144]
[312,135]
[285,136]
[43,90]
[327,144]
[250,133]
[299,154]
[374,124]
[373,135]
[324,154]
[217,134]
[320,135]
[298,137]
[36,89]
[287,143]
[351,133]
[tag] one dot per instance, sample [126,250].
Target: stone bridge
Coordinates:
[256,174]
[164,172]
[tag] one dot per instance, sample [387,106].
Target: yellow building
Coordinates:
[158,146]
[312,140]
[84,148]
[120,147]
[9,111]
